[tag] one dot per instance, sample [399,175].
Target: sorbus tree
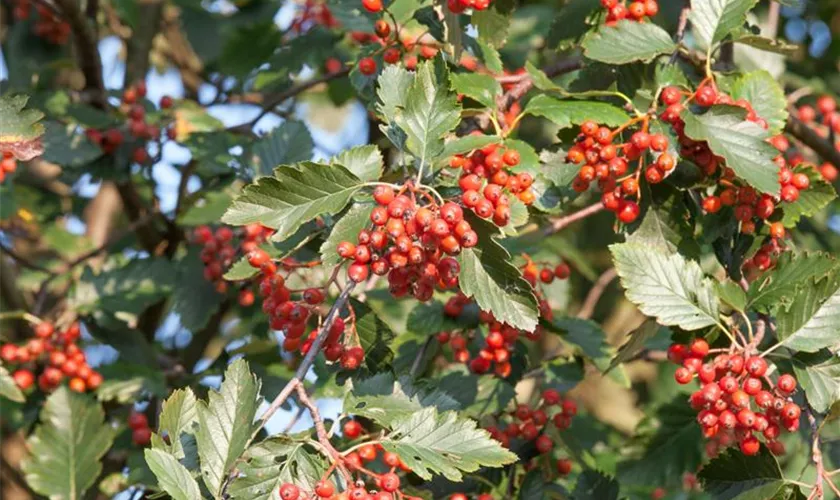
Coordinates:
[392,250]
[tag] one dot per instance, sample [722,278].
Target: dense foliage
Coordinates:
[378,250]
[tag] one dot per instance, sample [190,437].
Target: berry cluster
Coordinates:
[410,243]
[637,10]
[546,275]
[733,386]
[608,163]
[824,118]
[486,180]
[291,316]
[141,434]
[58,356]
[312,13]
[219,252]
[8,165]
[393,50]
[763,259]
[48,25]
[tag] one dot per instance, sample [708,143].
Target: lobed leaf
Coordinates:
[172,476]
[289,143]
[626,42]
[273,462]
[712,20]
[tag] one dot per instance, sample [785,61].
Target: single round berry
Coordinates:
[367,66]
[390,482]
[137,420]
[372,5]
[352,429]
[786,383]
[324,489]
[289,491]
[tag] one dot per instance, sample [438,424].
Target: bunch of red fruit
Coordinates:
[823,118]
[528,423]
[8,165]
[764,259]
[607,163]
[290,316]
[487,180]
[219,251]
[546,275]
[410,243]
[733,404]
[313,13]
[636,10]
[58,356]
[48,25]
[141,434]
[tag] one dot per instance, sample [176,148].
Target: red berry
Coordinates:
[699,348]
[367,66]
[289,491]
[358,272]
[324,489]
[511,157]
[372,5]
[786,383]
[390,482]
[141,436]
[705,96]
[564,466]
[352,429]
[44,330]
[391,55]
[750,445]
[628,212]
[544,444]
[24,379]
[756,366]
[166,102]
[137,420]
[683,375]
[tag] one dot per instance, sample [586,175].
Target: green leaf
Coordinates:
[568,113]
[128,288]
[779,286]
[8,388]
[294,196]
[664,228]
[497,285]
[571,21]
[393,85]
[20,131]
[477,86]
[669,449]
[810,323]
[767,97]
[477,395]
[173,478]
[64,145]
[346,229]
[248,47]
[375,337]
[468,143]
[289,143]
[492,26]
[66,448]
[194,298]
[669,74]
[712,20]
[819,376]
[364,161]
[667,287]
[628,41]
[226,422]
[269,464]
[811,201]
[635,343]
[208,210]
[556,170]
[741,143]
[735,476]
[178,416]
[533,486]
[428,318]
[732,294]
[491,57]
[445,444]
[595,485]
[431,110]
[128,382]
[776,45]
[385,400]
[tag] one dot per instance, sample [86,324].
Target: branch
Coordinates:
[559,223]
[520,89]
[139,45]
[321,432]
[87,52]
[23,261]
[812,139]
[596,292]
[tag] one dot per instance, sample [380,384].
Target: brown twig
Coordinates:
[596,292]
[520,89]
[23,261]
[321,432]
[87,52]
[812,139]
[561,222]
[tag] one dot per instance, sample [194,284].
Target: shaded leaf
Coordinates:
[8,388]
[269,464]
[194,298]
[20,130]
[810,323]
[178,416]
[375,337]
[733,475]
[778,287]
[289,143]
[635,343]
[595,485]
[819,376]
[765,94]
[567,113]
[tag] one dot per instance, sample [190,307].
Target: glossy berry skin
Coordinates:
[289,491]
[367,66]
[137,420]
[544,444]
[750,446]
[786,383]
[390,482]
[756,366]
[142,436]
[324,489]
[564,466]
[372,5]
[352,429]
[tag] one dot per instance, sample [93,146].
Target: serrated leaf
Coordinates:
[393,85]
[741,143]
[663,228]
[496,285]
[492,26]
[712,20]
[364,161]
[431,110]
[778,287]
[209,210]
[812,200]
[491,57]
[65,145]
[8,388]
[226,422]
[194,298]
[173,478]
[432,443]
[477,86]
[178,416]
[765,94]
[571,21]
[635,343]
[735,476]
[468,143]
[670,449]
[67,446]
[127,288]
[294,196]
[811,321]
[626,42]
[595,485]
[533,486]
[273,462]
[819,376]
[555,168]
[248,46]
[346,229]
[567,113]
[478,395]
[289,143]
[385,400]
[428,318]
[375,337]
[667,287]
[20,130]
[732,294]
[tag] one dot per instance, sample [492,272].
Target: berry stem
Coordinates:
[21,315]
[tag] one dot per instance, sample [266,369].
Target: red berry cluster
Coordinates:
[636,10]
[48,25]
[732,402]
[393,50]
[763,259]
[532,272]
[290,316]
[824,118]
[8,165]
[58,356]
[141,434]
[219,251]
[312,13]
[529,423]
[487,179]
[410,243]
[608,163]
[459,6]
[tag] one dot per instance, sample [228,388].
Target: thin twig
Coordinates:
[23,261]
[561,222]
[321,432]
[596,292]
[87,52]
